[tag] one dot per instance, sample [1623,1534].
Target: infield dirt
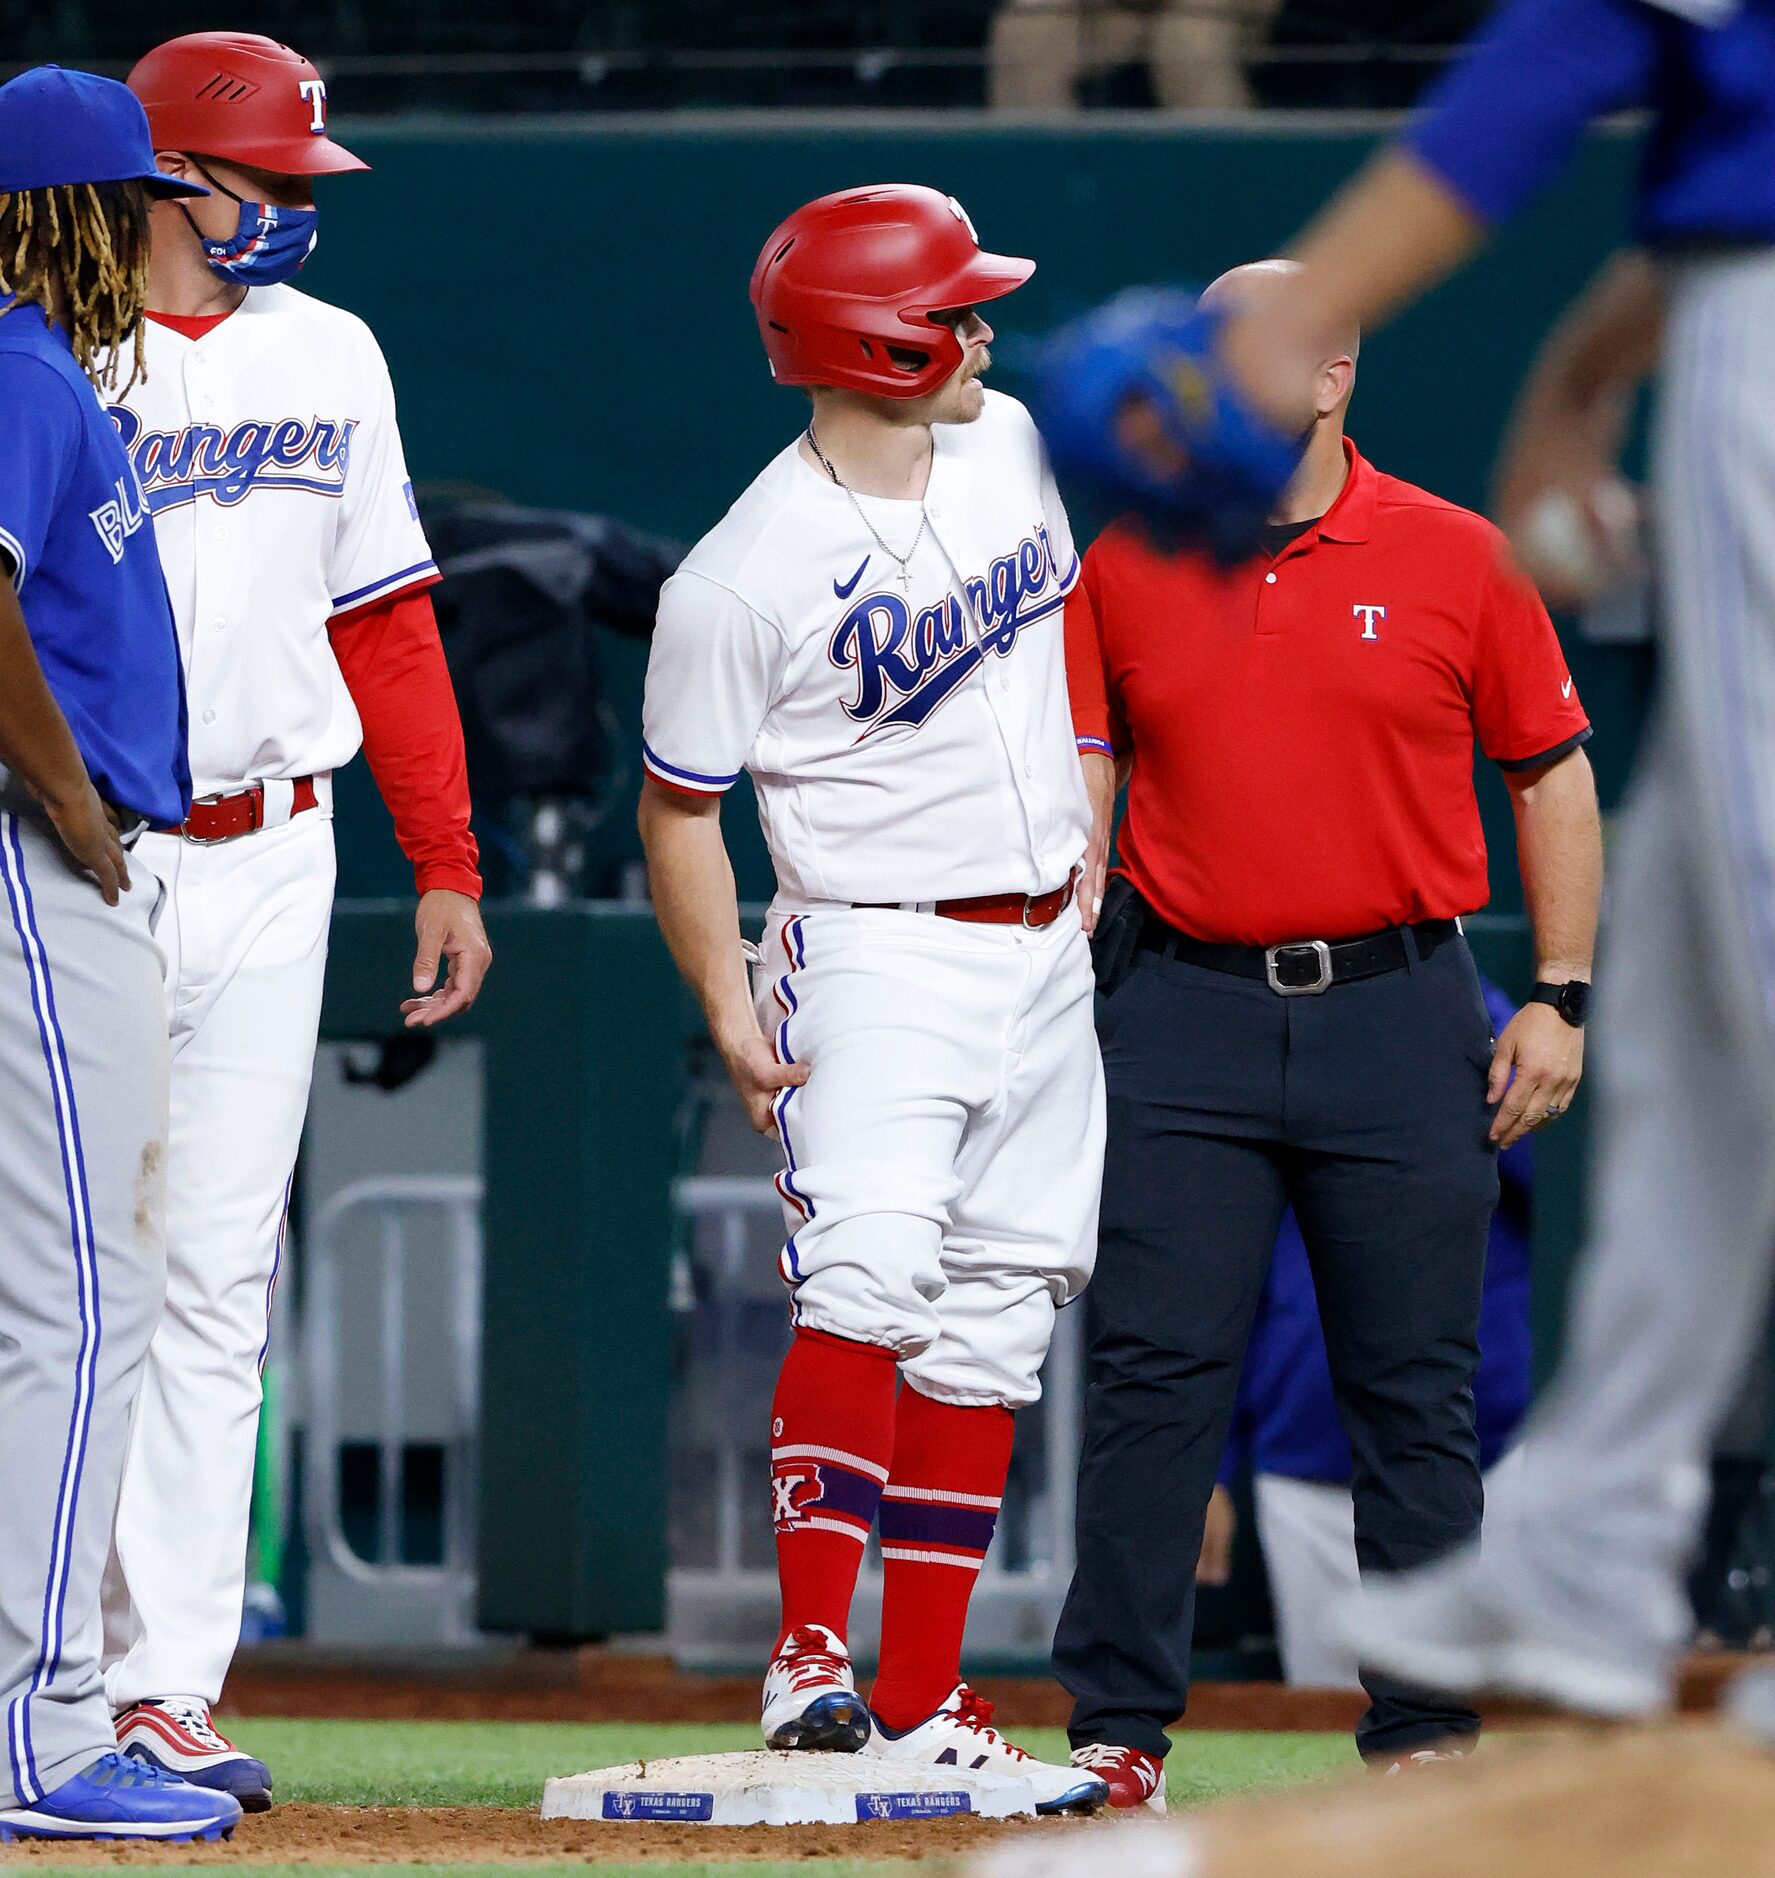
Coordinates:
[300,1834]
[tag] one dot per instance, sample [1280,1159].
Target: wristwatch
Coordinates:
[1571,1000]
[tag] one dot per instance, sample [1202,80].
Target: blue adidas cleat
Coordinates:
[119,1797]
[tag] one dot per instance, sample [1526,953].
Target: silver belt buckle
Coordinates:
[204,802]
[1065,890]
[1321,951]
[222,795]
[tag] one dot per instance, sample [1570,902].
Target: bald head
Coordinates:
[1247,286]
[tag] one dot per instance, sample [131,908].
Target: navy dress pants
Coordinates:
[1364,1108]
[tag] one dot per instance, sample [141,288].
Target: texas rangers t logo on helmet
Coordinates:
[314,95]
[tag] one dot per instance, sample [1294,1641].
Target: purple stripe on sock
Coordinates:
[926,1522]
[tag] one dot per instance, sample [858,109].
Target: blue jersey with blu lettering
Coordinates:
[1505,118]
[75,528]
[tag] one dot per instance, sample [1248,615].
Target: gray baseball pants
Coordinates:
[1673,1289]
[83,1117]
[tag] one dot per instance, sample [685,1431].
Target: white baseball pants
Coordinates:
[245,933]
[942,1162]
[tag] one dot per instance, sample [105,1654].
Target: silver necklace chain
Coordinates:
[902,561]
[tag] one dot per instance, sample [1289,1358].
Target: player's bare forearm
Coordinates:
[1540,1057]
[697,906]
[1559,854]
[1387,237]
[35,741]
[1100,788]
[37,746]
[1606,342]
[1570,421]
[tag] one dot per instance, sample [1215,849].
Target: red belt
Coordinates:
[222,818]
[1034,910]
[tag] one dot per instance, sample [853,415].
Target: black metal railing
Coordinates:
[397,56]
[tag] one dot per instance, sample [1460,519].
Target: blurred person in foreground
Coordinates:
[1577,1597]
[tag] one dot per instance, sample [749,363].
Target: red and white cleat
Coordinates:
[810,1695]
[1133,1777]
[177,1735]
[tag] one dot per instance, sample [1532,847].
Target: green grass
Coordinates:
[458,1763]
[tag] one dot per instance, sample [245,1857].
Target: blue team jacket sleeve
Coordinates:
[39,440]
[1506,116]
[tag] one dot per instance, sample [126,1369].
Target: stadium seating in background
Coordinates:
[397,56]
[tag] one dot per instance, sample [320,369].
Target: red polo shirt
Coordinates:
[1302,728]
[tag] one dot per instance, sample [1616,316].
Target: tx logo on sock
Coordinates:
[795,1486]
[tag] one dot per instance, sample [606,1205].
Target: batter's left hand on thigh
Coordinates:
[1534,1073]
[450,932]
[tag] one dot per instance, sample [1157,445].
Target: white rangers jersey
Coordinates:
[268,455]
[906,741]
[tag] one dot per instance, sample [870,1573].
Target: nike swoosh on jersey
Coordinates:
[845,589]
[1565,690]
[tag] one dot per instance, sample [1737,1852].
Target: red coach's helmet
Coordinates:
[845,288]
[242,97]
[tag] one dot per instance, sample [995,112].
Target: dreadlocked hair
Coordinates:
[80,251]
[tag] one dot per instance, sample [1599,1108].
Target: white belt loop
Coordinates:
[323,792]
[280,803]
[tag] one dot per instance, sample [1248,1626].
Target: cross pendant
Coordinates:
[905,575]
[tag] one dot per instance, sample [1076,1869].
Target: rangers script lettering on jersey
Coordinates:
[268,456]
[906,741]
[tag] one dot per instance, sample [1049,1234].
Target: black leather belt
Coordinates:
[1304,967]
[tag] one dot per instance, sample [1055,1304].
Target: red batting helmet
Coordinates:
[241,97]
[846,287]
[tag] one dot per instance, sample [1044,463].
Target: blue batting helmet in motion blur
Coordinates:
[1138,410]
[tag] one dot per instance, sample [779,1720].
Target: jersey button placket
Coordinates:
[1266,605]
[1012,730]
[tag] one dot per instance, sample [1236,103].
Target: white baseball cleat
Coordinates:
[810,1695]
[961,1735]
[1448,1628]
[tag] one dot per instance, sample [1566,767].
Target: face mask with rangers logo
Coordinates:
[269,244]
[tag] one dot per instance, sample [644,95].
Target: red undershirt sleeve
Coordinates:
[1094,720]
[393,663]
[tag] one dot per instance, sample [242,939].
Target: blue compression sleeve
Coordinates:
[1507,116]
